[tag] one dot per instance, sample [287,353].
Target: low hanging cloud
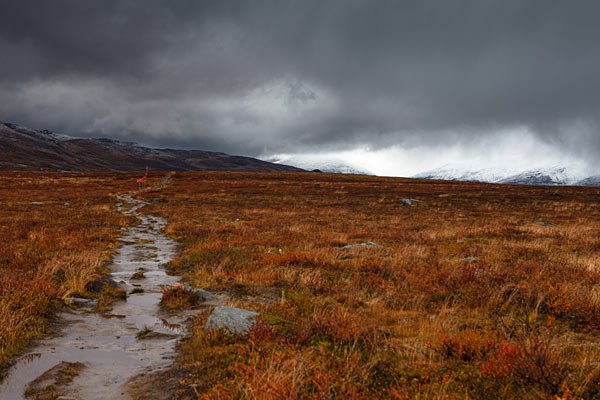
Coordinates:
[279,77]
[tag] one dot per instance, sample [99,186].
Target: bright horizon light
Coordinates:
[509,152]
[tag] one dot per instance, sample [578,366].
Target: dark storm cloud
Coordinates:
[255,76]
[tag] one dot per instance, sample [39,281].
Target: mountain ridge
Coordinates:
[566,175]
[324,164]
[25,148]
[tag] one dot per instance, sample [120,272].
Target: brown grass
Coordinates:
[52,250]
[415,319]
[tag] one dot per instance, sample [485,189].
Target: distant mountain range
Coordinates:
[22,148]
[30,149]
[323,164]
[557,175]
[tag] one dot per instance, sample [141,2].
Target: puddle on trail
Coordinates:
[108,347]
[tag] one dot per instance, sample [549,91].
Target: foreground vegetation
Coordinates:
[468,298]
[478,291]
[56,231]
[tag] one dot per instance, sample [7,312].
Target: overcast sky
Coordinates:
[427,79]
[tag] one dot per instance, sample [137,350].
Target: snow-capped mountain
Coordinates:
[457,172]
[323,164]
[549,176]
[589,181]
[555,175]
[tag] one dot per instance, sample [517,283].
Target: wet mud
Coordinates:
[109,348]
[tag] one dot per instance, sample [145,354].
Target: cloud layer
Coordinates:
[278,76]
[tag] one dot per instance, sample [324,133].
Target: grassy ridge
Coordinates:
[470,298]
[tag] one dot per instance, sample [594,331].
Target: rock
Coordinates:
[469,259]
[543,223]
[66,204]
[78,301]
[97,285]
[410,202]
[234,320]
[37,203]
[204,294]
[159,200]
[366,245]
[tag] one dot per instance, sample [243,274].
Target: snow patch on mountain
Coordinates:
[589,181]
[570,174]
[546,176]
[321,163]
[464,172]
[43,134]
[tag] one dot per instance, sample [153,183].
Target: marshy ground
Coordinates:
[103,337]
[474,291]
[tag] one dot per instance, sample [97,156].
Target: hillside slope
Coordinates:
[29,149]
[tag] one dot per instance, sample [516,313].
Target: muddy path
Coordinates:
[92,356]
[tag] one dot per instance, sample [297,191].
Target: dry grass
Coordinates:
[469,298]
[416,319]
[52,250]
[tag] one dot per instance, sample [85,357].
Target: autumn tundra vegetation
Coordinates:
[476,290]
[56,232]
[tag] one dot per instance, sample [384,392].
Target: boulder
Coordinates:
[204,294]
[234,320]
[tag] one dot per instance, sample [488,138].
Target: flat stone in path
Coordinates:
[234,320]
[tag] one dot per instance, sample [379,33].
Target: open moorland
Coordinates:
[474,291]
[56,232]
[479,291]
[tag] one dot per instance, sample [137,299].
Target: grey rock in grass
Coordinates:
[235,320]
[544,223]
[410,202]
[469,259]
[37,203]
[204,294]
[366,245]
[79,302]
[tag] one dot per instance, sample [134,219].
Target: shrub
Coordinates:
[466,345]
[177,297]
[528,363]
